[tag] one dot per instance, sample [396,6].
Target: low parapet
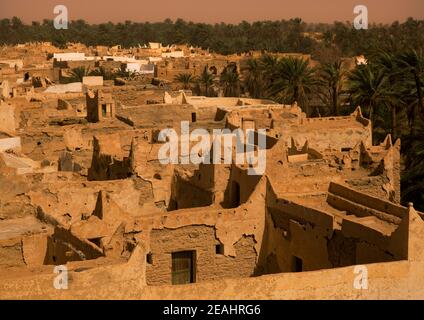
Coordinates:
[367,200]
[336,121]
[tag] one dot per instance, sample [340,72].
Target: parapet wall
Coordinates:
[391,280]
[367,200]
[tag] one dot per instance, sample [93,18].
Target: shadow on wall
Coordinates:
[239,188]
[62,246]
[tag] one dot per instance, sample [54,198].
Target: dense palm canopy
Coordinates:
[185,79]
[294,81]
[369,88]
[331,78]
[206,80]
[292,35]
[77,74]
[230,81]
[103,72]
[411,62]
[413,178]
[254,79]
[387,62]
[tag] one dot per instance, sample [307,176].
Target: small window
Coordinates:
[183,267]
[235,194]
[297,264]
[104,110]
[346,149]
[193,117]
[149,258]
[219,249]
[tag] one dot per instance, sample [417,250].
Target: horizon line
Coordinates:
[174,20]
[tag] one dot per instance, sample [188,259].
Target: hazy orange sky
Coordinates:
[230,11]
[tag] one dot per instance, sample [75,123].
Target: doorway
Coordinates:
[183,267]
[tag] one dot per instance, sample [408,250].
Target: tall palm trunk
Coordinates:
[335,101]
[412,121]
[394,123]
[419,93]
[371,117]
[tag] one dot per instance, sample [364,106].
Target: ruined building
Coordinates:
[84,184]
[100,106]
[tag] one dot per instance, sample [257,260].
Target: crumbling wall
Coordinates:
[290,237]
[63,247]
[108,162]
[106,279]
[68,201]
[14,202]
[11,253]
[187,195]
[7,118]
[209,265]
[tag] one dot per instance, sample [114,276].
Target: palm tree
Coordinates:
[294,81]
[206,78]
[268,64]
[368,88]
[77,74]
[186,79]
[103,72]
[230,81]
[412,62]
[331,76]
[413,178]
[387,62]
[254,78]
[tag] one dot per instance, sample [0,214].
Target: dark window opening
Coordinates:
[149,258]
[235,194]
[183,267]
[193,117]
[104,110]
[297,264]
[219,249]
[346,149]
[96,241]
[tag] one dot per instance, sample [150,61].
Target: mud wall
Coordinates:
[209,265]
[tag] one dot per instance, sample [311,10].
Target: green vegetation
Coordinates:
[77,74]
[185,79]
[273,36]
[230,81]
[389,88]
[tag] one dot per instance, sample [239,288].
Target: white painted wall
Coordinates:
[173,54]
[69,56]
